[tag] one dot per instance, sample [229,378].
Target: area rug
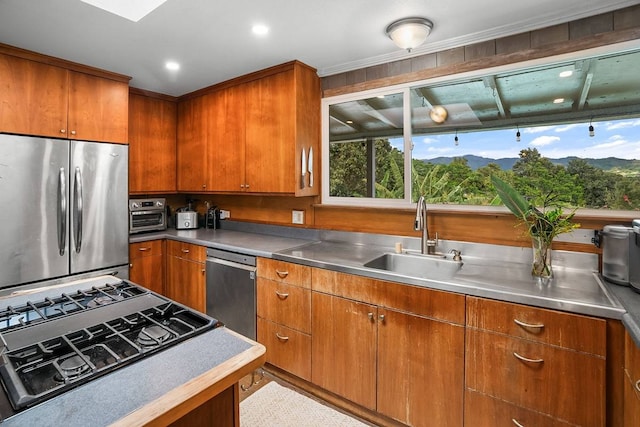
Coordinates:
[274,405]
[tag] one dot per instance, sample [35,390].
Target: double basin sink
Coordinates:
[437,267]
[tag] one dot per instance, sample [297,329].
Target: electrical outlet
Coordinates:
[225,214]
[297,217]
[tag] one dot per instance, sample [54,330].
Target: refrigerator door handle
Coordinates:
[77,207]
[62,211]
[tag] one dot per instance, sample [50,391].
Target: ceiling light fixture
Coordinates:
[438,114]
[172,65]
[409,33]
[592,131]
[566,73]
[558,100]
[260,30]
[455,140]
[518,134]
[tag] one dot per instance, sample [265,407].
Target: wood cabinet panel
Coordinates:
[98,109]
[287,349]
[484,411]
[146,265]
[186,282]
[565,384]
[420,378]
[186,251]
[226,139]
[432,303]
[285,272]
[152,144]
[343,348]
[34,97]
[566,330]
[191,146]
[284,304]
[632,383]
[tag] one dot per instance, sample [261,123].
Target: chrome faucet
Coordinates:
[427,245]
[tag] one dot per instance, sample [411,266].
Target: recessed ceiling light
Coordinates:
[131,10]
[566,73]
[172,65]
[260,30]
[558,100]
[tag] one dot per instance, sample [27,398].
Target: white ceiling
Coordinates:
[212,40]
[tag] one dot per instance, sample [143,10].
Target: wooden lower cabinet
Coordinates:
[481,410]
[344,348]
[146,265]
[631,383]
[287,348]
[420,369]
[186,278]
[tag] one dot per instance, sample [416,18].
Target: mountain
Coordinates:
[610,164]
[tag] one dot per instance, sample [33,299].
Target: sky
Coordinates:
[619,138]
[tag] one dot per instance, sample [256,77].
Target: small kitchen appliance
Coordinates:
[147,215]
[212,220]
[621,254]
[186,219]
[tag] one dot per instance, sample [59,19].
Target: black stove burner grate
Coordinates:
[44,369]
[65,304]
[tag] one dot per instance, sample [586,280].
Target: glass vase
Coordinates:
[541,266]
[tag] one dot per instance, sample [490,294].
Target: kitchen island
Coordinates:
[158,390]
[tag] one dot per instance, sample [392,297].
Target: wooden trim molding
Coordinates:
[62,63]
[151,94]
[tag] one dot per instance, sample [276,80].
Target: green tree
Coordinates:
[597,185]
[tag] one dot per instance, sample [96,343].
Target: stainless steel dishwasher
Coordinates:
[231,290]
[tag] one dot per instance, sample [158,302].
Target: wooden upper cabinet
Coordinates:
[192,145]
[33,97]
[226,139]
[252,130]
[46,96]
[152,144]
[98,109]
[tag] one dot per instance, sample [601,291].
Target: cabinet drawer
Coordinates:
[287,349]
[143,249]
[186,251]
[562,383]
[285,304]
[285,272]
[484,411]
[566,330]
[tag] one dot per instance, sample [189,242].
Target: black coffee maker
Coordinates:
[212,218]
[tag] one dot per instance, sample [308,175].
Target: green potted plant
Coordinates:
[543,224]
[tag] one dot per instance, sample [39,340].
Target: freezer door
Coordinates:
[99,205]
[34,195]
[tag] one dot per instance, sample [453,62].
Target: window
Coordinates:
[444,138]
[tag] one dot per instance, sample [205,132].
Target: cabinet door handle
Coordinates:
[63,131]
[203,271]
[185,251]
[638,386]
[528,325]
[130,265]
[282,338]
[370,316]
[73,132]
[144,249]
[514,421]
[282,274]
[526,359]
[282,295]
[381,318]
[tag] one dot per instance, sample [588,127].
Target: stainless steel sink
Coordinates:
[423,266]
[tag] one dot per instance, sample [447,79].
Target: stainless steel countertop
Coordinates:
[572,289]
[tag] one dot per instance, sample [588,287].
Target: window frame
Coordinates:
[405,88]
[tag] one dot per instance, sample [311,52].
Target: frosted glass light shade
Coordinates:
[409,33]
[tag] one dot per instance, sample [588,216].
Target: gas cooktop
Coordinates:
[52,341]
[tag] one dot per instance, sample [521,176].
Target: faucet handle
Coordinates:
[457,255]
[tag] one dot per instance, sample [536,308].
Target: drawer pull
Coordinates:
[185,251]
[281,295]
[528,325]
[144,249]
[282,274]
[515,422]
[282,338]
[638,386]
[526,359]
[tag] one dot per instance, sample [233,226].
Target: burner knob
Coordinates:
[159,204]
[135,205]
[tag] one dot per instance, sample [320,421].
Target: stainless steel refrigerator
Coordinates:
[63,208]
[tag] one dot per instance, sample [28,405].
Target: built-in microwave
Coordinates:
[147,215]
